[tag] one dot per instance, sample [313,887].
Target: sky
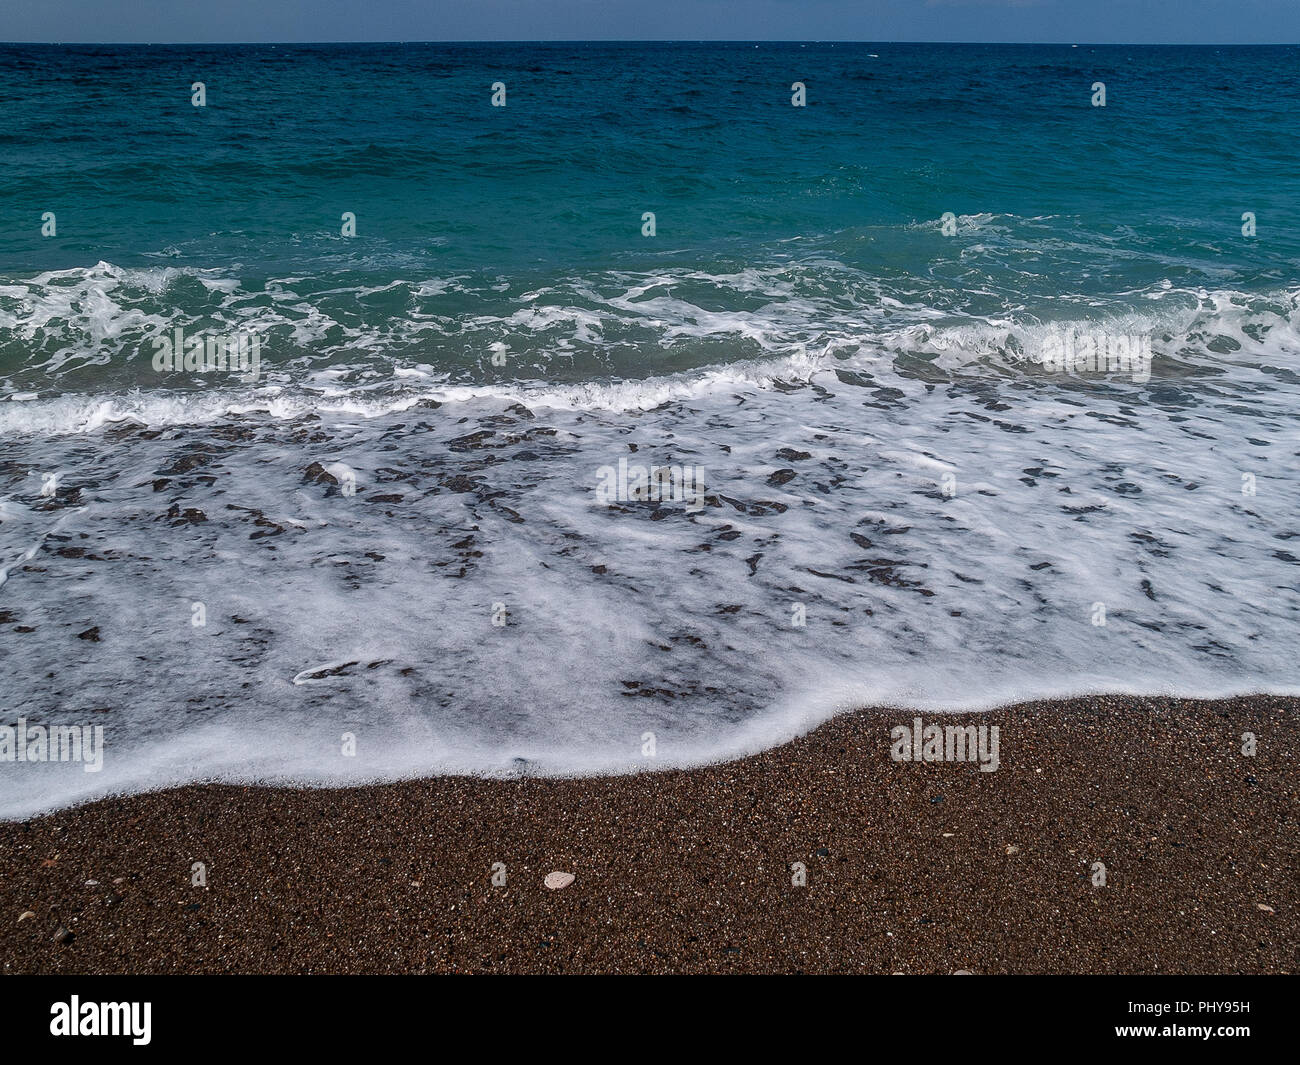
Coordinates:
[1036,21]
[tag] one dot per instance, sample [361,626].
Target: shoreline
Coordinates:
[914,867]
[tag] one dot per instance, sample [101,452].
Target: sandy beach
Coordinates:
[911,867]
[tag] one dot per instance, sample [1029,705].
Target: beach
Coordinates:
[910,867]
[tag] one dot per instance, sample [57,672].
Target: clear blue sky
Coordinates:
[1067,21]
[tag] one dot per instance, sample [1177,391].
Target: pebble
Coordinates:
[64,936]
[557,880]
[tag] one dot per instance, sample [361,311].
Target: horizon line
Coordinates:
[682,40]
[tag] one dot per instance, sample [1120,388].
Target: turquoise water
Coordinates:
[870,394]
[468,214]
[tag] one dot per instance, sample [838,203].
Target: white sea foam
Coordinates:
[954,515]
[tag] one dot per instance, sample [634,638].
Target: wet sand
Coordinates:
[911,867]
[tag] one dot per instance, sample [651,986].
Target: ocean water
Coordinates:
[398,528]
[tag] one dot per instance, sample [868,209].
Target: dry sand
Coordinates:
[913,868]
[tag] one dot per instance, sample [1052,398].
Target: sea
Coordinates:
[380,411]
